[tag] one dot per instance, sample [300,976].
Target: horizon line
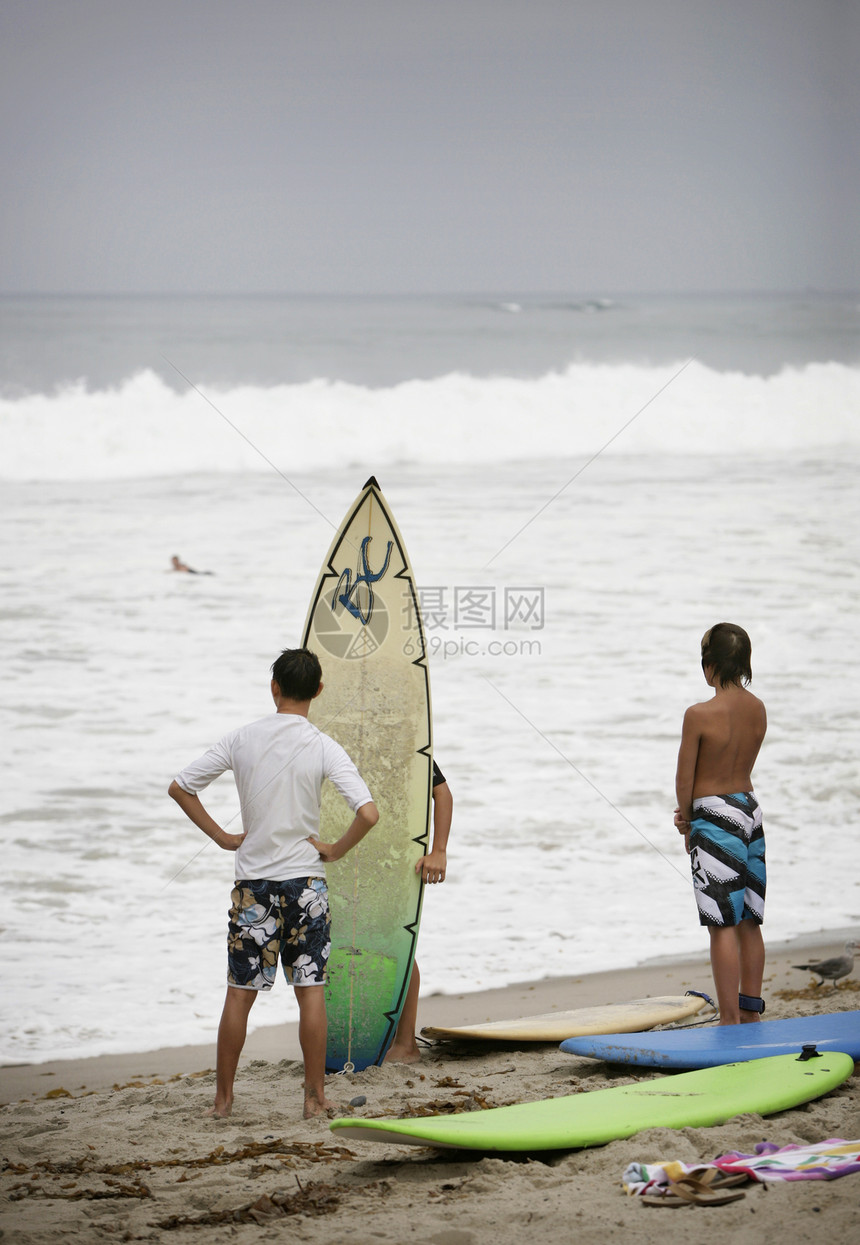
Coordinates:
[581,295]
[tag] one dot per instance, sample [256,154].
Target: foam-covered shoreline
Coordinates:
[560,756]
[662,975]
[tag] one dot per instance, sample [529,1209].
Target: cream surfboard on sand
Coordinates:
[365,626]
[630,1017]
[686,1100]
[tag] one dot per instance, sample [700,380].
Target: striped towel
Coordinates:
[824,1161]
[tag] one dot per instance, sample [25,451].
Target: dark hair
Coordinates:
[727,648]
[297,673]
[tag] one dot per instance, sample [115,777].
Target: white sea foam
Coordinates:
[143,427]
[559,743]
[714,493]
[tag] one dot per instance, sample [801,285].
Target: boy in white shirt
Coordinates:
[280,904]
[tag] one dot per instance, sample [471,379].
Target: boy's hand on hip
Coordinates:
[328,851]
[230,842]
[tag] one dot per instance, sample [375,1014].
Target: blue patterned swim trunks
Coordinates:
[727,859]
[269,921]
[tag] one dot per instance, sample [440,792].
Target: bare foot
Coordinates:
[315,1109]
[750,1018]
[218,1112]
[403,1054]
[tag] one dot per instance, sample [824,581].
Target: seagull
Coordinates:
[834,968]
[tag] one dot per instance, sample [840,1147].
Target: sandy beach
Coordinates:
[118,1147]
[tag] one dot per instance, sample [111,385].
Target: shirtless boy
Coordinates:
[721,821]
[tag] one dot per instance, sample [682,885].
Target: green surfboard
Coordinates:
[687,1100]
[364,624]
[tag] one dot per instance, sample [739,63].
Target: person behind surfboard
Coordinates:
[432,867]
[280,909]
[721,821]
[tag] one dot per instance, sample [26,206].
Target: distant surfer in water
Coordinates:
[721,821]
[280,908]
[432,867]
[177,564]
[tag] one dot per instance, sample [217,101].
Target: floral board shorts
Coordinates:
[269,921]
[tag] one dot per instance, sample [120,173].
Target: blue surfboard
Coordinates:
[711,1047]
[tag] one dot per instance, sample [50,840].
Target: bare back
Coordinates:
[720,742]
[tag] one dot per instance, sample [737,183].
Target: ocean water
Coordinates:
[584,485]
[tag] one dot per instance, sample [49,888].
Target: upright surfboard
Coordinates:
[707,1048]
[688,1100]
[364,624]
[553,1026]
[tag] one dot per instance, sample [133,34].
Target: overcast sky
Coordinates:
[429,145]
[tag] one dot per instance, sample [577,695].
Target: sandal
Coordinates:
[693,1191]
[716,1178]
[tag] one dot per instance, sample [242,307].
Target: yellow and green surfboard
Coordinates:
[364,624]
